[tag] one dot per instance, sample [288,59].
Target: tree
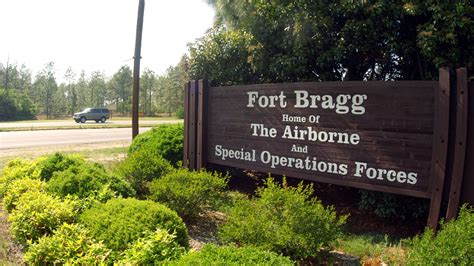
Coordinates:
[345,40]
[147,86]
[97,89]
[45,88]
[71,91]
[121,87]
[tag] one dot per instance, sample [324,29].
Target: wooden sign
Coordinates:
[381,136]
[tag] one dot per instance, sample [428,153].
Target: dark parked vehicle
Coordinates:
[97,114]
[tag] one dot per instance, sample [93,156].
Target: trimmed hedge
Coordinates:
[88,180]
[38,214]
[155,248]
[189,193]
[286,220]
[166,140]
[19,187]
[141,167]
[70,244]
[18,169]
[120,222]
[230,255]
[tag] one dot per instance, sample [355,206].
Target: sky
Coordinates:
[98,35]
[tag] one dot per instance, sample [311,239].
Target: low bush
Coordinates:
[229,255]
[157,247]
[283,219]
[188,193]
[88,180]
[18,169]
[386,205]
[18,188]
[141,167]
[166,139]
[452,245]
[59,162]
[70,244]
[38,214]
[180,113]
[120,222]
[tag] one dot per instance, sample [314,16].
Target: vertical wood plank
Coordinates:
[201,125]
[186,126]
[192,124]
[460,143]
[440,147]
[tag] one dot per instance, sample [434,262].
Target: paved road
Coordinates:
[40,138]
[67,123]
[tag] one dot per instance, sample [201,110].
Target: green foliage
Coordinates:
[18,188]
[188,193]
[230,255]
[283,219]
[221,56]
[387,205]
[120,222]
[372,247]
[180,113]
[38,214]
[59,162]
[166,140]
[143,166]
[285,41]
[453,244]
[70,244]
[88,180]
[156,247]
[15,106]
[18,169]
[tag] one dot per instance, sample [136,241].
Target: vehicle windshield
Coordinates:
[86,110]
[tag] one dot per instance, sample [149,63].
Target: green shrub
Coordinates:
[283,219]
[59,162]
[141,167]
[38,214]
[88,180]
[229,255]
[70,244]
[120,222]
[453,245]
[18,169]
[180,113]
[166,139]
[15,105]
[18,188]
[156,247]
[386,205]
[188,193]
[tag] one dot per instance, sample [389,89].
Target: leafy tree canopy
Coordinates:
[283,41]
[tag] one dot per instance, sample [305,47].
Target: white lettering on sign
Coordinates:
[362,170]
[341,103]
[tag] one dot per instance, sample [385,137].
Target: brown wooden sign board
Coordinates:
[380,136]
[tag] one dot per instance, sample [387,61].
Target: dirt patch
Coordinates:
[11,252]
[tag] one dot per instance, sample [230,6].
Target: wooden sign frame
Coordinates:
[196,151]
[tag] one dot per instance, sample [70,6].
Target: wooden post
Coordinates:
[136,68]
[201,126]
[440,146]
[187,88]
[193,124]
[460,143]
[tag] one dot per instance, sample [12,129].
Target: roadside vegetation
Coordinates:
[65,209]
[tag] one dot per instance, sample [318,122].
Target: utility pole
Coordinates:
[136,68]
